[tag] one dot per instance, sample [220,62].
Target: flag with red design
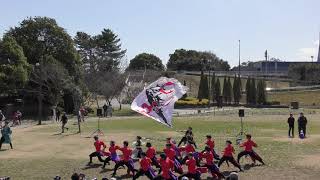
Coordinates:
[157,100]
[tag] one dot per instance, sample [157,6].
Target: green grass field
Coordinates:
[40,152]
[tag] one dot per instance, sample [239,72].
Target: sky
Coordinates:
[288,29]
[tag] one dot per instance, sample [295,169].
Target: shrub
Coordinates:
[190,102]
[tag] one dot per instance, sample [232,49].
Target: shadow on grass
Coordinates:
[92,166]
[65,135]
[227,173]
[105,170]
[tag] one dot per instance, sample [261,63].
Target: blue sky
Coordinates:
[289,29]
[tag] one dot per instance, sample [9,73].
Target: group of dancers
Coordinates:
[173,158]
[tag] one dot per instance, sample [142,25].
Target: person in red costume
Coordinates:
[167,166]
[248,150]
[151,153]
[100,147]
[145,167]
[228,155]
[125,159]
[210,142]
[209,164]
[192,168]
[171,154]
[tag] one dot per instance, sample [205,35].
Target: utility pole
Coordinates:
[239,60]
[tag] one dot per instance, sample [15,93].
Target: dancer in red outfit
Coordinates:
[167,166]
[145,167]
[210,165]
[125,160]
[248,150]
[151,153]
[192,168]
[228,155]
[171,154]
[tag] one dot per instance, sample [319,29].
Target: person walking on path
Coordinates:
[291,126]
[64,120]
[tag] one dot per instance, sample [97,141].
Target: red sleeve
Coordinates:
[254,144]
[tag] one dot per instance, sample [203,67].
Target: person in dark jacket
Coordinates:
[291,125]
[64,120]
[302,124]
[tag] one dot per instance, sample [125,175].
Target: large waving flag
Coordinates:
[157,100]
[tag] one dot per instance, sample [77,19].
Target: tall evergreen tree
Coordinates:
[253,91]
[200,90]
[225,90]
[185,84]
[205,87]
[213,82]
[236,89]
[229,91]
[261,93]
[217,89]
[248,88]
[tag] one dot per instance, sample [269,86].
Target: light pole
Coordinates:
[40,38]
[239,60]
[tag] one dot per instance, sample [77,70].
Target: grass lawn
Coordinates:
[40,152]
[305,98]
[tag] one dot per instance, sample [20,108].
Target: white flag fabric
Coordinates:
[157,100]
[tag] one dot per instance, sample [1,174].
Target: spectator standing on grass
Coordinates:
[6,133]
[109,110]
[19,117]
[64,120]
[302,124]
[291,125]
[82,113]
[105,109]
[58,113]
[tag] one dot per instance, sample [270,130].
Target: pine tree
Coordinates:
[229,92]
[205,87]
[261,93]
[217,89]
[236,89]
[213,82]
[200,91]
[248,93]
[185,95]
[225,90]
[253,91]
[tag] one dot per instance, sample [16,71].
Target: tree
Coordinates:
[56,43]
[184,84]
[237,89]
[201,86]
[14,69]
[261,92]
[229,91]
[191,60]
[101,52]
[205,87]
[225,89]
[101,56]
[253,91]
[146,61]
[248,90]
[213,82]
[217,89]
[40,38]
